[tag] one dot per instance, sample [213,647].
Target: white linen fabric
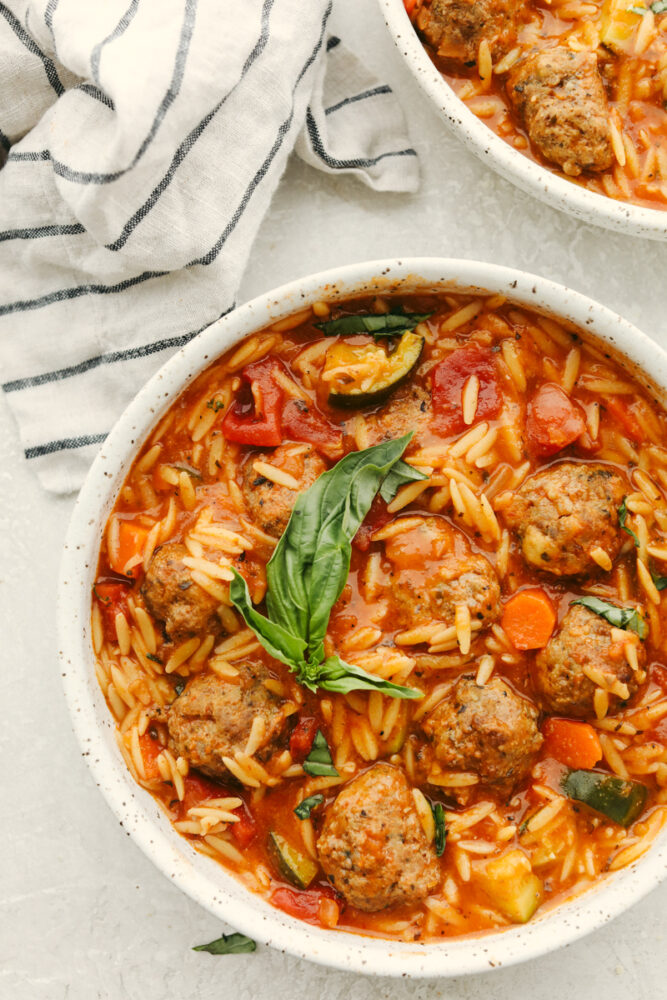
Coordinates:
[144,141]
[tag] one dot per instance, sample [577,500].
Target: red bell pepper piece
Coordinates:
[553,420]
[255,415]
[449,378]
[245,830]
[303,904]
[112,598]
[302,421]
[302,738]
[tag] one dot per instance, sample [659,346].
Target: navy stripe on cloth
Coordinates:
[191,139]
[97,94]
[31,45]
[384,89]
[336,164]
[36,233]
[120,28]
[74,293]
[63,445]
[114,357]
[88,177]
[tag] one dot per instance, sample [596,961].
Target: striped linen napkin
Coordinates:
[144,141]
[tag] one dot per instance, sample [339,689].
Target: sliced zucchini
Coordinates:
[511,885]
[361,374]
[618,21]
[294,866]
[620,800]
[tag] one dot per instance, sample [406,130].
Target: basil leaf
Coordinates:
[659,581]
[379,324]
[659,7]
[310,565]
[622,517]
[228,944]
[626,618]
[304,808]
[278,641]
[337,675]
[318,763]
[401,474]
[440,830]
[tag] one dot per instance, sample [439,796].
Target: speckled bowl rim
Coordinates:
[197,875]
[623,217]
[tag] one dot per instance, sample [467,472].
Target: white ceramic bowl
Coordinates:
[634,220]
[197,875]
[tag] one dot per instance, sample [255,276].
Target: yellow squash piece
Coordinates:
[362,374]
[510,884]
[619,19]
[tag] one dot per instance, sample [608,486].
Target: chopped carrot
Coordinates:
[575,744]
[528,619]
[131,541]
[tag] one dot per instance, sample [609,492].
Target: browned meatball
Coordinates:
[585,642]
[408,409]
[488,730]
[372,846]
[432,570]
[172,596]
[559,97]
[213,717]
[456,27]
[270,505]
[562,514]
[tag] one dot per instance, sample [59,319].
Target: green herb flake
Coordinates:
[154,658]
[622,517]
[215,404]
[379,324]
[318,763]
[228,944]
[440,829]
[102,600]
[625,618]
[305,807]
[659,581]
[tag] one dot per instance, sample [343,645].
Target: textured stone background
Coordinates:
[83,914]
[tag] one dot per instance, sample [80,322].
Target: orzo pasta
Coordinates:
[379,614]
[580,86]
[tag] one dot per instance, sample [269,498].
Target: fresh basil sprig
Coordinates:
[306,806]
[659,581]
[318,763]
[228,944]
[440,829]
[379,324]
[622,517]
[625,618]
[310,565]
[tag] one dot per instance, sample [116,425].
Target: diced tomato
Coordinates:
[623,410]
[575,744]
[377,517]
[658,674]
[150,751]
[409,6]
[198,789]
[131,541]
[302,738]
[449,379]
[254,416]
[553,420]
[112,598]
[245,831]
[302,421]
[306,904]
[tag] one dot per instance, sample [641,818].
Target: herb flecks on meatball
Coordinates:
[563,514]
[372,846]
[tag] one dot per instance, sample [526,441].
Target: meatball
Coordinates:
[456,27]
[434,569]
[409,409]
[172,596]
[559,97]
[585,642]
[270,505]
[212,718]
[562,514]
[488,730]
[372,846]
